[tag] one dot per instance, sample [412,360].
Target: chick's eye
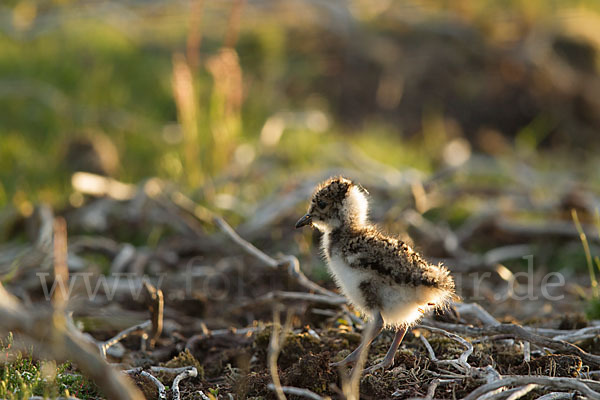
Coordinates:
[321,204]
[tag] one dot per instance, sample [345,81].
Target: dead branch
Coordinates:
[518,332]
[290,261]
[461,363]
[526,351]
[153,298]
[220,332]
[246,246]
[162,391]
[104,346]
[298,392]
[427,345]
[522,391]
[275,344]
[581,334]
[193,372]
[512,394]
[476,311]
[556,396]
[61,270]
[430,391]
[470,330]
[351,384]
[124,257]
[298,296]
[172,370]
[94,244]
[549,229]
[580,385]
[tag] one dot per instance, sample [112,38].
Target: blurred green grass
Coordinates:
[88,75]
[81,77]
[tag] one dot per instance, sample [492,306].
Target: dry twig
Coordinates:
[512,394]
[461,364]
[580,385]
[162,391]
[193,372]
[104,346]
[518,332]
[298,392]
[153,297]
[556,396]
[277,340]
[350,386]
[298,296]
[290,261]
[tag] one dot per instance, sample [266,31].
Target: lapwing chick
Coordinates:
[386,280]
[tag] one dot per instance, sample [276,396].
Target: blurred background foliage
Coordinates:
[193,91]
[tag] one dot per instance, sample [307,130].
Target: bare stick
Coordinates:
[274,349]
[162,392]
[518,332]
[220,332]
[432,355]
[247,246]
[61,270]
[581,334]
[298,392]
[470,330]
[526,351]
[202,395]
[431,389]
[153,298]
[461,363]
[295,271]
[556,382]
[104,346]
[558,345]
[172,370]
[517,392]
[193,372]
[299,296]
[556,396]
[351,387]
[475,310]
[522,391]
[290,261]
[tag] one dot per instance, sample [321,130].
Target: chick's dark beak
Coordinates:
[305,220]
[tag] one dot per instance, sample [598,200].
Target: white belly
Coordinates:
[348,280]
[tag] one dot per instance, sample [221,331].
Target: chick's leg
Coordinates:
[388,360]
[377,326]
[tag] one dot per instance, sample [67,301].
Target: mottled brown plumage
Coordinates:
[382,276]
